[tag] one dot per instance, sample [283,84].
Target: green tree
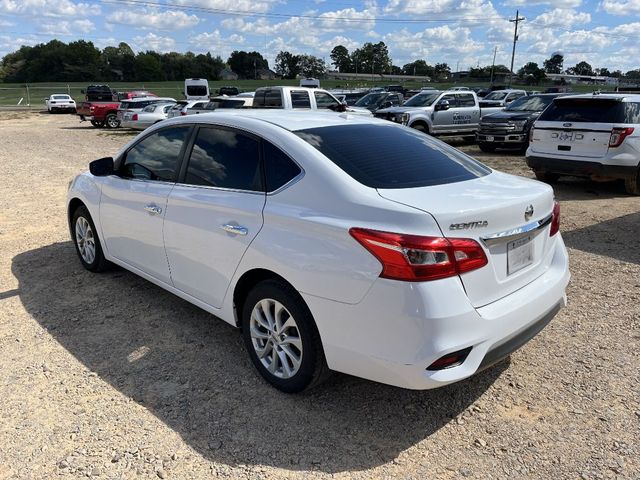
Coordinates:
[442,71]
[341,59]
[372,58]
[147,67]
[418,67]
[531,73]
[582,68]
[554,63]
[246,64]
[311,66]
[287,65]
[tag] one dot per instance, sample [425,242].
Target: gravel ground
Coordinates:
[109,376]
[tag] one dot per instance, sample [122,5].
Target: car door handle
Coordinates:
[235,229]
[153,209]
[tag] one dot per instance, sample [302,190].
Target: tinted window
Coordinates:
[156,156]
[300,99]
[585,110]
[389,156]
[324,100]
[279,168]
[226,159]
[451,99]
[466,100]
[535,103]
[267,99]
[197,90]
[61,97]
[422,99]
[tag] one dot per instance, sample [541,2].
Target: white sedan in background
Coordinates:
[149,115]
[335,242]
[60,102]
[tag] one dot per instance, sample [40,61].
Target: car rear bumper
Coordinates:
[399,329]
[580,168]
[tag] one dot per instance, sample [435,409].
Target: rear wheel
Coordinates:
[87,242]
[632,185]
[97,124]
[487,147]
[111,121]
[281,336]
[546,177]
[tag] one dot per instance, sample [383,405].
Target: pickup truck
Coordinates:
[100,114]
[294,98]
[446,113]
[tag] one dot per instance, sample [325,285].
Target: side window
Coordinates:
[279,168]
[324,100]
[226,159]
[268,99]
[300,99]
[395,100]
[466,100]
[451,99]
[156,156]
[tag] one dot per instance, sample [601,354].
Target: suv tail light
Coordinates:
[531,132]
[618,135]
[134,117]
[92,108]
[555,220]
[414,258]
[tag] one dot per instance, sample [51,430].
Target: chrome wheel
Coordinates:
[276,338]
[85,240]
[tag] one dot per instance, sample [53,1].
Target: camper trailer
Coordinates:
[310,82]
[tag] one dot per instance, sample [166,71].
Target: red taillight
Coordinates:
[618,135]
[134,117]
[183,113]
[555,220]
[415,258]
[92,108]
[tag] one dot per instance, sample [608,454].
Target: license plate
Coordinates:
[489,139]
[519,254]
[565,136]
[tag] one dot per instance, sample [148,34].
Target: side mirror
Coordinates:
[442,105]
[102,167]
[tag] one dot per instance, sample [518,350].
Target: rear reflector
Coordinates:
[450,360]
[414,258]
[618,135]
[134,117]
[555,219]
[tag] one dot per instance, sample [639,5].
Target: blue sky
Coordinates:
[459,32]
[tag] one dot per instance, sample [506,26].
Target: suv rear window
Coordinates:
[389,156]
[267,99]
[592,111]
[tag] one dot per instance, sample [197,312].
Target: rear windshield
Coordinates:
[592,111]
[61,97]
[197,91]
[390,156]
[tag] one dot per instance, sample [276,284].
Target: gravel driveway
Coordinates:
[109,376]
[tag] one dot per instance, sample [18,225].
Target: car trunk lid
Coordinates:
[507,215]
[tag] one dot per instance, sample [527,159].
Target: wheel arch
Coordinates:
[422,123]
[74,204]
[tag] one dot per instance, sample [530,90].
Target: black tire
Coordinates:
[313,368]
[469,139]
[546,177]
[97,124]
[421,128]
[632,185]
[111,121]
[99,263]
[487,147]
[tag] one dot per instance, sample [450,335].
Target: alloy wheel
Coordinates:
[85,240]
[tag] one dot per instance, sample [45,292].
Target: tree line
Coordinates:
[78,61]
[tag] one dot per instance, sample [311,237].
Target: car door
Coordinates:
[214,212]
[467,115]
[443,119]
[133,202]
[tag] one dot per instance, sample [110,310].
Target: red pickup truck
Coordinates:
[100,114]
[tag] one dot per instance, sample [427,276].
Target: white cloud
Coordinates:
[216,43]
[630,7]
[65,27]
[234,5]
[146,18]
[49,8]
[562,18]
[555,3]
[151,41]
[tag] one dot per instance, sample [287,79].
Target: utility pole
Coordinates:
[493,65]
[516,20]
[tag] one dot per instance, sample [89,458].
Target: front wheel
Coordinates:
[421,127]
[632,185]
[111,121]
[281,336]
[87,242]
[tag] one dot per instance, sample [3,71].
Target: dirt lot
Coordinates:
[109,376]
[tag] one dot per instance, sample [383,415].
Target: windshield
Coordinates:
[592,110]
[61,97]
[496,96]
[422,100]
[370,99]
[530,104]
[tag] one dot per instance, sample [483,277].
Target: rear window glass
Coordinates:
[197,91]
[389,156]
[592,111]
[61,97]
[300,99]
[267,99]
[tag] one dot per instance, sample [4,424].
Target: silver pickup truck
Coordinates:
[453,113]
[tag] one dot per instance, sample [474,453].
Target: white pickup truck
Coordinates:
[300,98]
[452,113]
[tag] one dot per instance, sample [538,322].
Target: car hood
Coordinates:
[399,109]
[490,103]
[361,110]
[506,115]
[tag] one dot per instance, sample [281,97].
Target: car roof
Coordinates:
[608,96]
[146,99]
[286,119]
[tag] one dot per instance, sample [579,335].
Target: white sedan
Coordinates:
[60,102]
[149,115]
[335,242]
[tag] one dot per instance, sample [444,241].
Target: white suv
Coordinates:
[596,136]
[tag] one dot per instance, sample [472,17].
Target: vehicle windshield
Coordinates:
[370,99]
[422,99]
[61,97]
[496,96]
[390,156]
[530,104]
[197,90]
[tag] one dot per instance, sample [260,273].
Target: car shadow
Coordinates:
[616,238]
[192,372]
